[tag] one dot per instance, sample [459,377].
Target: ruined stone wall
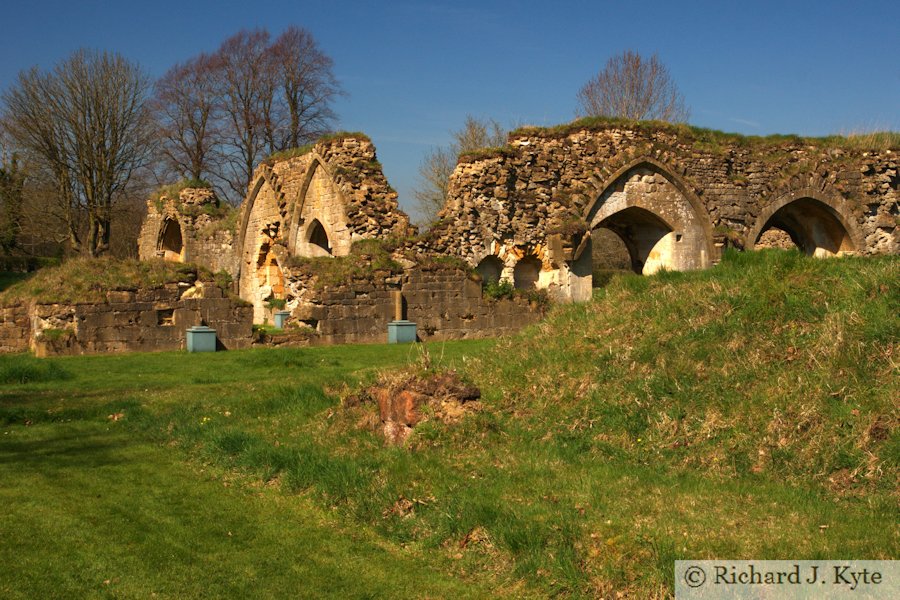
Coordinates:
[542,194]
[205,236]
[315,204]
[444,303]
[129,321]
[15,329]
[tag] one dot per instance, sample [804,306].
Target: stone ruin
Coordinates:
[138,319]
[186,225]
[315,203]
[674,197]
[671,196]
[530,213]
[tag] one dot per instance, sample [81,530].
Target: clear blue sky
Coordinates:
[413,70]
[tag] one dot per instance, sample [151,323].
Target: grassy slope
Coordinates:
[96,505]
[748,411]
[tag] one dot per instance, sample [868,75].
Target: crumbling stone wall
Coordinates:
[143,320]
[189,228]
[15,330]
[313,204]
[445,303]
[675,195]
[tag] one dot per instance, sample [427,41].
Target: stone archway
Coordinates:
[171,243]
[526,273]
[317,237]
[260,238]
[815,225]
[490,269]
[658,219]
[646,237]
[321,201]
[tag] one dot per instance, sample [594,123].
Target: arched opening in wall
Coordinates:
[269,275]
[171,244]
[318,237]
[658,217]
[526,273]
[490,269]
[609,256]
[649,241]
[813,226]
[776,238]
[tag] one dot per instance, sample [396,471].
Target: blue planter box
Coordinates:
[280,317]
[201,339]
[401,332]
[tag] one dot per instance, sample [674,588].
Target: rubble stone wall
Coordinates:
[129,321]
[205,239]
[542,194]
[15,329]
[444,303]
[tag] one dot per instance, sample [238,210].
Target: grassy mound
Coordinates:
[770,364]
[88,280]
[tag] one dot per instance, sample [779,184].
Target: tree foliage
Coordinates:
[633,87]
[438,164]
[85,126]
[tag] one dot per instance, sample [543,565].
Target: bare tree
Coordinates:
[438,165]
[247,93]
[86,125]
[186,108]
[308,86]
[220,115]
[12,182]
[633,87]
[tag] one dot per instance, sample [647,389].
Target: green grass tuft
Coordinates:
[88,280]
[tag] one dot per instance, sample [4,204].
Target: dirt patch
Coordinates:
[404,400]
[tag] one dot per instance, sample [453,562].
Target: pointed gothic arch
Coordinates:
[171,242]
[321,199]
[317,237]
[658,216]
[819,225]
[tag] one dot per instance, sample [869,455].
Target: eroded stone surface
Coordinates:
[674,200]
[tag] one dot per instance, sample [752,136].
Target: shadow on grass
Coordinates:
[59,451]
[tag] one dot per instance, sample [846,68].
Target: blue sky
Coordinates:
[413,70]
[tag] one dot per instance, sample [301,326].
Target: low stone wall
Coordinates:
[445,303]
[15,330]
[129,321]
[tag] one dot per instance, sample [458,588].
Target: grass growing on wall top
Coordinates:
[875,140]
[88,280]
[366,258]
[289,153]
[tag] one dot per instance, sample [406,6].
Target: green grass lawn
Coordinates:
[748,411]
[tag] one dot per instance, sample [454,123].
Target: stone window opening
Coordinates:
[165,317]
[319,237]
[171,244]
[490,269]
[526,273]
